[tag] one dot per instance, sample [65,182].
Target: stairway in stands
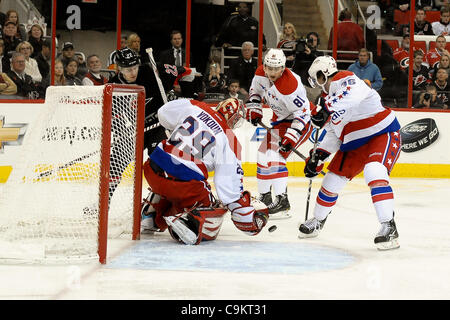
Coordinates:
[306,17]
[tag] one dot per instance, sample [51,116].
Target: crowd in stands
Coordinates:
[25,55]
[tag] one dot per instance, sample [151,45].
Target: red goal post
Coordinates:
[77,180]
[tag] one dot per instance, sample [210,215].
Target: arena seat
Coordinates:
[421,45]
[432,16]
[401,17]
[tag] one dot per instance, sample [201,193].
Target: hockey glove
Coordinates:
[319,119]
[314,166]
[289,139]
[245,217]
[254,112]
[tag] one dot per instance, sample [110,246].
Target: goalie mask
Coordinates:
[232,110]
[326,65]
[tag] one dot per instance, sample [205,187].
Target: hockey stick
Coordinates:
[293,149]
[313,156]
[155,70]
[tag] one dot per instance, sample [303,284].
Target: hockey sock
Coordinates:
[383,201]
[324,203]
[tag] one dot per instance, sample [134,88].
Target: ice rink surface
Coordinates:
[342,263]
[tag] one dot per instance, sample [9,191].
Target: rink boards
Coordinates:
[432,161]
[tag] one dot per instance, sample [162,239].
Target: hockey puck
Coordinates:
[273,228]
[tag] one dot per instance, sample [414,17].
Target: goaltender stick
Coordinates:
[181,200]
[365,137]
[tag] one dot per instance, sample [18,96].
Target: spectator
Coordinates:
[70,72]
[366,70]
[31,66]
[9,37]
[287,42]
[82,65]
[2,19]
[214,80]
[94,77]
[26,87]
[68,53]
[305,54]
[134,43]
[442,85]
[36,38]
[426,4]
[112,56]
[434,56]
[7,86]
[60,79]
[350,36]
[233,90]
[43,59]
[442,26]
[239,28]
[443,63]
[420,71]
[421,25]
[175,55]
[21,33]
[5,64]
[244,67]
[430,100]
[401,54]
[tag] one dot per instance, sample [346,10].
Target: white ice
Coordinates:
[342,263]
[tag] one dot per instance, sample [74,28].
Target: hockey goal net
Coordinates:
[78,181]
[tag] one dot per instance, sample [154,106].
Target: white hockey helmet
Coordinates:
[275,58]
[325,64]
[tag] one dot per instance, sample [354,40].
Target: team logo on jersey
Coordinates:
[336,118]
[404,63]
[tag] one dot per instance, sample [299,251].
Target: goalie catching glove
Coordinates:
[314,163]
[254,113]
[246,217]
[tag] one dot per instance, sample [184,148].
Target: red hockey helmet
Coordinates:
[232,110]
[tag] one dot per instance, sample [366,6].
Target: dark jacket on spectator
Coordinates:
[243,71]
[27,87]
[72,80]
[6,64]
[44,67]
[236,30]
[11,44]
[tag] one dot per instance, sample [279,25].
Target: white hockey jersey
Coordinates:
[358,114]
[200,142]
[286,97]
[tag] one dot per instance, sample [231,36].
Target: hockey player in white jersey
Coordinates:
[365,137]
[282,90]
[181,200]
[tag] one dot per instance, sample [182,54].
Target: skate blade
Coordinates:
[280,215]
[302,235]
[383,246]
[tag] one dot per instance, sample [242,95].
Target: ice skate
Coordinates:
[311,228]
[148,214]
[387,237]
[265,198]
[278,209]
